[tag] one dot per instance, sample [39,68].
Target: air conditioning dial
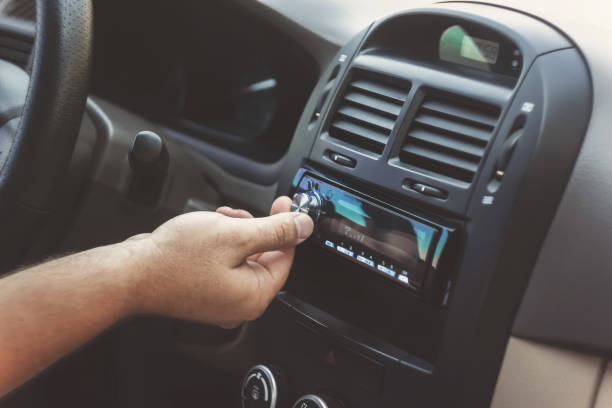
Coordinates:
[260,388]
[317,401]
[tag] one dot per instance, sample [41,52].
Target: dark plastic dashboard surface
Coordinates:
[189,68]
[504,209]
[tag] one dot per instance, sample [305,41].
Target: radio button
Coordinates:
[345,251]
[386,270]
[365,260]
[403,279]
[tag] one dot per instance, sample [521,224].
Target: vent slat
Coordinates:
[452,126]
[392,93]
[360,131]
[449,136]
[382,106]
[426,136]
[368,111]
[443,158]
[461,113]
[367,118]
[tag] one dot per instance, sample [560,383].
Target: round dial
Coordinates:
[308,203]
[259,388]
[317,401]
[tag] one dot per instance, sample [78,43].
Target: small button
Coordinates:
[429,191]
[342,160]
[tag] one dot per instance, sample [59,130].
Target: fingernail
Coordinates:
[304,226]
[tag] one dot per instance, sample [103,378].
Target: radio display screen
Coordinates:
[394,245]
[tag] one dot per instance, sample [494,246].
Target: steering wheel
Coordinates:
[40,116]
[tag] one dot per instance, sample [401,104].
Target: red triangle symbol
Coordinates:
[330,359]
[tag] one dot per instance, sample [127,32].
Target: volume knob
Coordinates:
[308,203]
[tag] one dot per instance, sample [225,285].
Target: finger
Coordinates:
[276,232]
[278,264]
[138,237]
[273,269]
[234,213]
[281,205]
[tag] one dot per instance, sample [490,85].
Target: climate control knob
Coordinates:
[260,388]
[308,203]
[317,401]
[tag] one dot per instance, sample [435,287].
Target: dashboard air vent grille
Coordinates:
[368,112]
[20,9]
[449,136]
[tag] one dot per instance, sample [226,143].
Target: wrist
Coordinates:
[138,259]
[131,261]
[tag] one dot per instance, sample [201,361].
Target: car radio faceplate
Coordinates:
[400,246]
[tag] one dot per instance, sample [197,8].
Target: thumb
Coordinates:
[276,232]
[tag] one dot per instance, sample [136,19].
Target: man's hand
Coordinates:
[222,268]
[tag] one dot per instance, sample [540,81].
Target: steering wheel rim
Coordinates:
[41,144]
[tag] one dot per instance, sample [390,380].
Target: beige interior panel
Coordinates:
[604,396]
[537,375]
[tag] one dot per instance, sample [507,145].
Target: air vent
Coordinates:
[20,9]
[368,112]
[15,48]
[449,136]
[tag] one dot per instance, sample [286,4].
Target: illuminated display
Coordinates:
[459,47]
[479,49]
[393,245]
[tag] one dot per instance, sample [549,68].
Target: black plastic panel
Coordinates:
[507,228]
[506,208]
[400,49]
[387,170]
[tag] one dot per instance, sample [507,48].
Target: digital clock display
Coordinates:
[480,50]
[457,46]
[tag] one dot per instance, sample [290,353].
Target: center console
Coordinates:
[432,156]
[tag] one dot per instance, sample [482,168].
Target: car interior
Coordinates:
[455,157]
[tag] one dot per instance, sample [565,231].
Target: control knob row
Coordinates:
[262,388]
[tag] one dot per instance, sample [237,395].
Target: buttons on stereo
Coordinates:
[309,202]
[317,401]
[260,388]
[352,226]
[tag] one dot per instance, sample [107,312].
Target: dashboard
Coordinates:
[432,154]
[454,157]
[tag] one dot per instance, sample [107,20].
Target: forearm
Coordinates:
[51,309]
[218,268]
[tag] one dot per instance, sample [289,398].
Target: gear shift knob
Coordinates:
[149,161]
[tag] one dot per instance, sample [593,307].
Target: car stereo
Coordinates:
[400,246]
